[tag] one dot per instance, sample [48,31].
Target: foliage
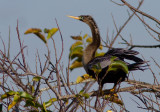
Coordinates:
[76,50]
[38,33]
[22,96]
[18,97]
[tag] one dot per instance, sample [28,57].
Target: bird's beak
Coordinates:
[74,17]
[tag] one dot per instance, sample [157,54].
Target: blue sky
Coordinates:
[42,14]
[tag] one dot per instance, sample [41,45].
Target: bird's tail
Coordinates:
[137,66]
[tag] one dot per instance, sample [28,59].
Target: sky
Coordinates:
[42,14]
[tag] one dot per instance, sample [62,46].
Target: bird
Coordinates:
[107,69]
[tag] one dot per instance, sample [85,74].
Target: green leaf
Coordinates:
[81,92]
[49,103]
[7,94]
[36,78]
[44,107]
[51,32]
[75,64]
[26,95]
[33,89]
[113,58]
[77,43]
[78,48]
[46,30]
[16,97]
[86,95]
[32,103]
[29,103]
[119,65]
[76,52]
[54,99]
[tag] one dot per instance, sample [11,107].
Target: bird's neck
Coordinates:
[90,50]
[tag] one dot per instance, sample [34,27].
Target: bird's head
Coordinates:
[84,18]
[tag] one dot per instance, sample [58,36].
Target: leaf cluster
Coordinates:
[38,33]
[77,48]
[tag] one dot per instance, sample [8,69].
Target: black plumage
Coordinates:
[114,76]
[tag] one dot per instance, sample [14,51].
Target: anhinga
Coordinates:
[117,54]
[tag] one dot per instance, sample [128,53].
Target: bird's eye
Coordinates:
[81,18]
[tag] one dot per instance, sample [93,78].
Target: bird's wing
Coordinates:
[113,63]
[124,54]
[115,57]
[99,62]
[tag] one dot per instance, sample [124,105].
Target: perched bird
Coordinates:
[112,67]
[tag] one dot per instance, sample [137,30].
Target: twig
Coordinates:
[143,13]
[9,42]
[21,47]
[113,41]
[144,46]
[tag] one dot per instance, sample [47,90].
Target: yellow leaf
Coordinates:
[67,102]
[89,39]
[76,37]
[82,78]
[114,98]
[109,111]
[99,54]
[33,30]
[75,64]
[15,100]
[36,31]
[101,47]
[86,35]
[41,37]
[11,105]
[77,43]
